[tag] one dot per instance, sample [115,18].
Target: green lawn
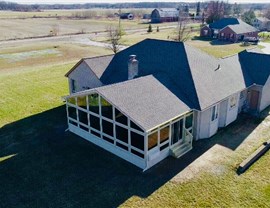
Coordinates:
[265,36]
[41,165]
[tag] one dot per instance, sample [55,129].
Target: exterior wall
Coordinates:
[223,113]
[141,163]
[203,32]
[232,112]
[242,101]
[255,88]
[227,34]
[207,125]
[84,78]
[265,95]
[204,123]
[155,17]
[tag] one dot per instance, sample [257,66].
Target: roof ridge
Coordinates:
[86,58]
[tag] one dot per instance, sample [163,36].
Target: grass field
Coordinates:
[44,53]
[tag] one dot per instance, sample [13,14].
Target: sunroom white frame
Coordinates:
[149,158]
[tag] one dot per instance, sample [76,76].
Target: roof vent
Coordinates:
[218,68]
[133,67]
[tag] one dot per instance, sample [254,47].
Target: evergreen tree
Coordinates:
[149,28]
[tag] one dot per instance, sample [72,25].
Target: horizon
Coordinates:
[124,1]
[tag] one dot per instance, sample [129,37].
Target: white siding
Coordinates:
[242,100]
[265,95]
[223,113]
[232,112]
[204,123]
[84,78]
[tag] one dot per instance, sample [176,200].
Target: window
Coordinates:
[189,121]
[106,108]
[72,112]
[94,122]
[164,134]
[233,101]
[120,118]
[205,32]
[214,113]
[73,85]
[134,126]
[93,103]
[83,117]
[122,134]
[152,140]
[81,102]
[137,141]
[107,128]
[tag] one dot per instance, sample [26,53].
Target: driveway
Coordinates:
[266,48]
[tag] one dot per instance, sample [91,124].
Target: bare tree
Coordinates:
[114,38]
[182,31]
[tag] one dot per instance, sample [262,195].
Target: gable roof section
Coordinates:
[144,100]
[223,23]
[97,64]
[256,65]
[242,28]
[166,60]
[168,12]
[216,81]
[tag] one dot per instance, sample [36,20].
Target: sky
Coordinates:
[117,1]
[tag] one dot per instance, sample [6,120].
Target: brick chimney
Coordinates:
[133,67]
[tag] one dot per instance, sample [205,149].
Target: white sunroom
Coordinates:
[112,118]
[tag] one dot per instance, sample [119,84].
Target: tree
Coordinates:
[227,9]
[114,38]
[267,13]
[150,28]
[215,11]
[249,16]
[198,9]
[236,10]
[182,31]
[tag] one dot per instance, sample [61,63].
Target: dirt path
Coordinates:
[77,38]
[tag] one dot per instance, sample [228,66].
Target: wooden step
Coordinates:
[180,150]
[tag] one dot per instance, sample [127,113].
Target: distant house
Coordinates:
[164,15]
[230,29]
[129,16]
[153,104]
[261,23]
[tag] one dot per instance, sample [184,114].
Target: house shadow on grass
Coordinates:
[55,168]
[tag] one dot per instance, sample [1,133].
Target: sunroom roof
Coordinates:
[144,100]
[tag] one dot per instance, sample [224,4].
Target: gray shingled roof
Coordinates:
[168,12]
[99,64]
[237,25]
[195,78]
[242,28]
[145,100]
[223,23]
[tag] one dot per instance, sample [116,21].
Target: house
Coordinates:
[153,104]
[261,23]
[164,15]
[230,29]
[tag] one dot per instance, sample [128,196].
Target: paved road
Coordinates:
[267,47]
